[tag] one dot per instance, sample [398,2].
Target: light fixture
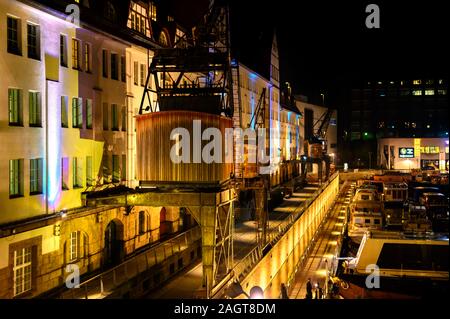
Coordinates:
[63,214]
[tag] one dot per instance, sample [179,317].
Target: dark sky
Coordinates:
[324,45]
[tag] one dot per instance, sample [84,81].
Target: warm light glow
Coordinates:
[321,273]
[335,233]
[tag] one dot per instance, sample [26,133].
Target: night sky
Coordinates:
[325,45]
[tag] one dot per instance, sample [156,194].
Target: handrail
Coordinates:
[131,267]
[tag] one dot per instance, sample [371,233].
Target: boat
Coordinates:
[409,266]
[366,213]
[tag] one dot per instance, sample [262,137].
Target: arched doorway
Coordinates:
[113,251]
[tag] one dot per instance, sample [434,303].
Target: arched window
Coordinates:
[142,228]
[163,40]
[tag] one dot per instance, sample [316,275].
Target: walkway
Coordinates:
[324,248]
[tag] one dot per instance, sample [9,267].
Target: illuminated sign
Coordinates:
[429,150]
[406,152]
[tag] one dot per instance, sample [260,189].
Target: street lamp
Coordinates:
[323,98]
[235,290]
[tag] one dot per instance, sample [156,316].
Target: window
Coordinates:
[36,176]
[34,51]
[142,74]
[89,180]
[114,66]
[65,173]
[22,270]
[441,92]
[77,112]
[63,50]
[106,169]
[153,11]
[105,63]
[376,221]
[73,251]
[35,109]
[87,58]
[417,92]
[138,19]
[77,172]
[136,73]
[15,178]
[141,222]
[88,113]
[105,117]
[417,82]
[122,69]
[429,92]
[114,117]
[15,107]
[124,167]
[116,168]
[124,118]
[76,54]
[366,221]
[14,43]
[64,111]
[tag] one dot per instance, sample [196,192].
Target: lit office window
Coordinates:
[76,54]
[114,117]
[417,82]
[35,109]
[429,92]
[36,169]
[441,92]
[15,107]
[77,172]
[77,112]
[15,178]
[417,92]
[88,113]
[87,58]
[89,179]
[142,75]
[153,11]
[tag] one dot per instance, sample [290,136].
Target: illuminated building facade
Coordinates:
[416,107]
[69,95]
[413,153]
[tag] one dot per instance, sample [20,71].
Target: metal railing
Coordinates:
[246,264]
[104,284]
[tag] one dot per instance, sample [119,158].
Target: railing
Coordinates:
[243,267]
[289,221]
[105,283]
